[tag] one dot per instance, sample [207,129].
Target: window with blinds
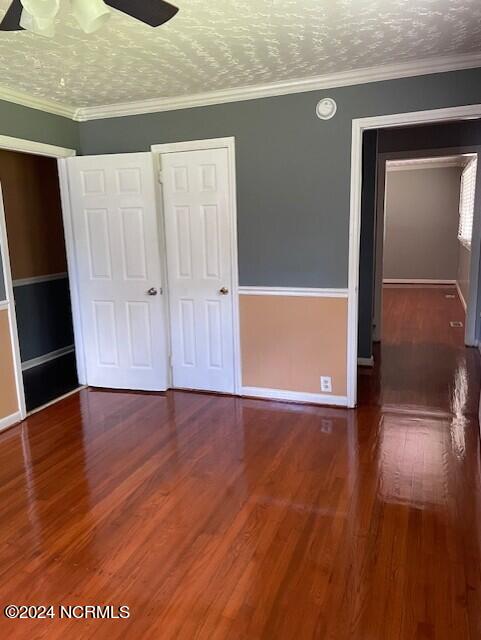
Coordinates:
[466,202]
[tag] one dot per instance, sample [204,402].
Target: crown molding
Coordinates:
[35,102]
[328,81]
[317,83]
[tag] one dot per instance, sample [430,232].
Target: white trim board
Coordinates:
[294,291]
[12,318]
[193,145]
[327,81]
[22,282]
[359,125]
[47,357]
[10,420]
[36,148]
[72,268]
[417,281]
[293,396]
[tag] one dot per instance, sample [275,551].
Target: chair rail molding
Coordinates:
[294,291]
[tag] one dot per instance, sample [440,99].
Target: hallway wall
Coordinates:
[421,223]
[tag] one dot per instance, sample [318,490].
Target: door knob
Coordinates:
[224,291]
[152,291]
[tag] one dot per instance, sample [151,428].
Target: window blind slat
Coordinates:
[466,202]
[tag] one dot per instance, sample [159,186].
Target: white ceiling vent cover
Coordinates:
[326,108]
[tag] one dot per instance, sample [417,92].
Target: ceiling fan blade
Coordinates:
[11,20]
[151,12]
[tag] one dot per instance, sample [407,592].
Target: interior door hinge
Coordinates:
[171,363]
[160,176]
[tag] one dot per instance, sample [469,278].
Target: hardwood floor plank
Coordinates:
[220,518]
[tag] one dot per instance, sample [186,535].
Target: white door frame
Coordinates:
[9,306]
[202,145]
[359,125]
[21,145]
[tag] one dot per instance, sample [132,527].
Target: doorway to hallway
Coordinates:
[422,364]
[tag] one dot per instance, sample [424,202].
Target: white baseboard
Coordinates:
[416,281]
[294,396]
[366,362]
[461,297]
[10,420]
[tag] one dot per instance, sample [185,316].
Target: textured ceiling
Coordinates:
[223,44]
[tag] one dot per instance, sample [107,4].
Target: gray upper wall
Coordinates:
[30,124]
[293,170]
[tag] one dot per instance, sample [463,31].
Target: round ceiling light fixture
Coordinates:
[326,108]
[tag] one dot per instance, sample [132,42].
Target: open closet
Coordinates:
[33,219]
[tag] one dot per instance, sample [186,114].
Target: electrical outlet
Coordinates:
[326,384]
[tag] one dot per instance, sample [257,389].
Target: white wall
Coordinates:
[422,213]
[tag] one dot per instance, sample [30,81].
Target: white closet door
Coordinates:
[116,238]
[198,234]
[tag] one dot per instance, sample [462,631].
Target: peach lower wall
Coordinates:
[8,388]
[289,342]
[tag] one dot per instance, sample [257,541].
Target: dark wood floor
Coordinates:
[216,518]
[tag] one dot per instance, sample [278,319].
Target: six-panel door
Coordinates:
[116,238]
[198,238]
